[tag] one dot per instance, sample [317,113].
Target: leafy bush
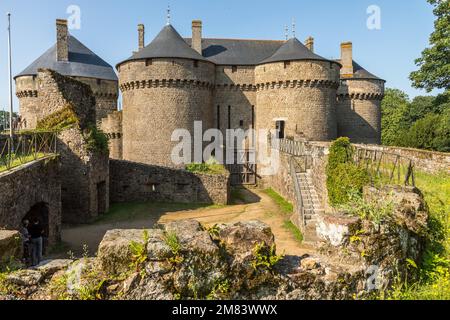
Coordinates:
[58,120]
[96,140]
[139,254]
[343,176]
[265,258]
[206,168]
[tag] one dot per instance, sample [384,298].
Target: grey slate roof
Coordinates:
[82,63]
[293,49]
[167,44]
[361,73]
[237,51]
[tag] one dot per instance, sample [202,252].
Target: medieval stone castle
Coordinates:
[281,86]
[225,83]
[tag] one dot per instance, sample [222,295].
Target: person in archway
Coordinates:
[36,234]
[26,259]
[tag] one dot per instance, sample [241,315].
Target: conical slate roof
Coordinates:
[293,50]
[167,44]
[82,63]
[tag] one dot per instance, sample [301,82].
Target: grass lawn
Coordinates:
[435,269]
[19,161]
[286,210]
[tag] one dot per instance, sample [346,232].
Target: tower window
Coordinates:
[241,123]
[229,117]
[218,117]
[99,81]
[280,126]
[234,69]
[148,62]
[195,63]
[287,64]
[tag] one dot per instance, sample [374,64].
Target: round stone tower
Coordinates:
[68,57]
[359,101]
[296,93]
[165,86]
[112,127]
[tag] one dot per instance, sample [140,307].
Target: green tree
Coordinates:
[434,65]
[419,108]
[394,108]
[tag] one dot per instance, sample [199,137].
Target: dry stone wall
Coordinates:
[36,183]
[140,182]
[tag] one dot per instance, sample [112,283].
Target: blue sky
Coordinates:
[109,28]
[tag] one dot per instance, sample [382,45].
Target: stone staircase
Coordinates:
[311,204]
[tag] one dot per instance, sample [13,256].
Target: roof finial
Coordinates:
[293,27]
[286,29]
[168,14]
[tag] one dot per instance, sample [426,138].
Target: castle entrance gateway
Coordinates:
[243,170]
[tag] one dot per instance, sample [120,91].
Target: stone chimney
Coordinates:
[309,43]
[347,60]
[62,40]
[197,36]
[141,32]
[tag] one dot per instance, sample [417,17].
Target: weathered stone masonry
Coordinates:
[140,182]
[84,172]
[35,184]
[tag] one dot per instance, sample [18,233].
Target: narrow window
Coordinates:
[234,69]
[287,64]
[253,116]
[218,117]
[148,62]
[280,126]
[195,64]
[229,117]
[241,123]
[99,81]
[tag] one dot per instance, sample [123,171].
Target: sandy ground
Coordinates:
[254,205]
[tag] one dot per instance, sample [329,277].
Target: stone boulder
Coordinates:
[114,252]
[409,208]
[242,237]
[10,246]
[336,229]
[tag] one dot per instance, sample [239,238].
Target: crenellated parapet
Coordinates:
[292,84]
[27,94]
[166,83]
[236,87]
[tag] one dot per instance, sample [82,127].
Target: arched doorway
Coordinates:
[40,211]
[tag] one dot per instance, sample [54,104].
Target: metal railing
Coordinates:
[386,168]
[26,147]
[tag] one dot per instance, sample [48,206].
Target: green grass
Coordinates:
[18,162]
[292,228]
[284,205]
[435,269]
[136,210]
[286,209]
[205,168]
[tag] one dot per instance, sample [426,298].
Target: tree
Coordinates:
[394,108]
[434,65]
[420,107]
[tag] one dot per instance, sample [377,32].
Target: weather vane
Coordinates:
[293,27]
[168,14]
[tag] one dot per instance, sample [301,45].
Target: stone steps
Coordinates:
[312,206]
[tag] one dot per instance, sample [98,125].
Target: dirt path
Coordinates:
[256,205]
